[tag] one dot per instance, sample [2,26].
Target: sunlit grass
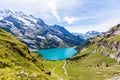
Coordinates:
[17,62]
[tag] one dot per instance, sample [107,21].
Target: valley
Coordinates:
[97,58]
[92,64]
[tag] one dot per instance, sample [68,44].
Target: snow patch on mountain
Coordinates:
[34,32]
[87,35]
[41,37]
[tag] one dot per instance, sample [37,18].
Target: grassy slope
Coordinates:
[115,38]
[90,65]
[55,67]
[87,66]
[17,62]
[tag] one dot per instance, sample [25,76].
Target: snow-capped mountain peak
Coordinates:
[6,13]
[89,34]
[27,19]
[34,32]
[92,33]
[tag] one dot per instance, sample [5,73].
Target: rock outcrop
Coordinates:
[107,43]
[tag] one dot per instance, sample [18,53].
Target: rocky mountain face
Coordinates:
[98,59]
[107,43]
[87,35]
[91,34]
[34,32]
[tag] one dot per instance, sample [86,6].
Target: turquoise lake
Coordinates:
[57,53]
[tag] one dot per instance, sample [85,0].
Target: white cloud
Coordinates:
[101,27]
[70,20]
[45,9]
[62,5]
[53,8]
[96,15]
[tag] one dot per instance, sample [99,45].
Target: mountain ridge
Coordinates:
[35,33]
[98,59]
[87,35]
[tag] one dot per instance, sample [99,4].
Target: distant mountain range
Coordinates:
[87,35]
[35,33]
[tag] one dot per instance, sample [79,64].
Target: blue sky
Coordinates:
[75,15]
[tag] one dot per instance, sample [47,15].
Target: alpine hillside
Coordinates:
[99,59]
[17,62]
[108,43]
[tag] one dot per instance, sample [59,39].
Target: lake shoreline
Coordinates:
[56,54]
